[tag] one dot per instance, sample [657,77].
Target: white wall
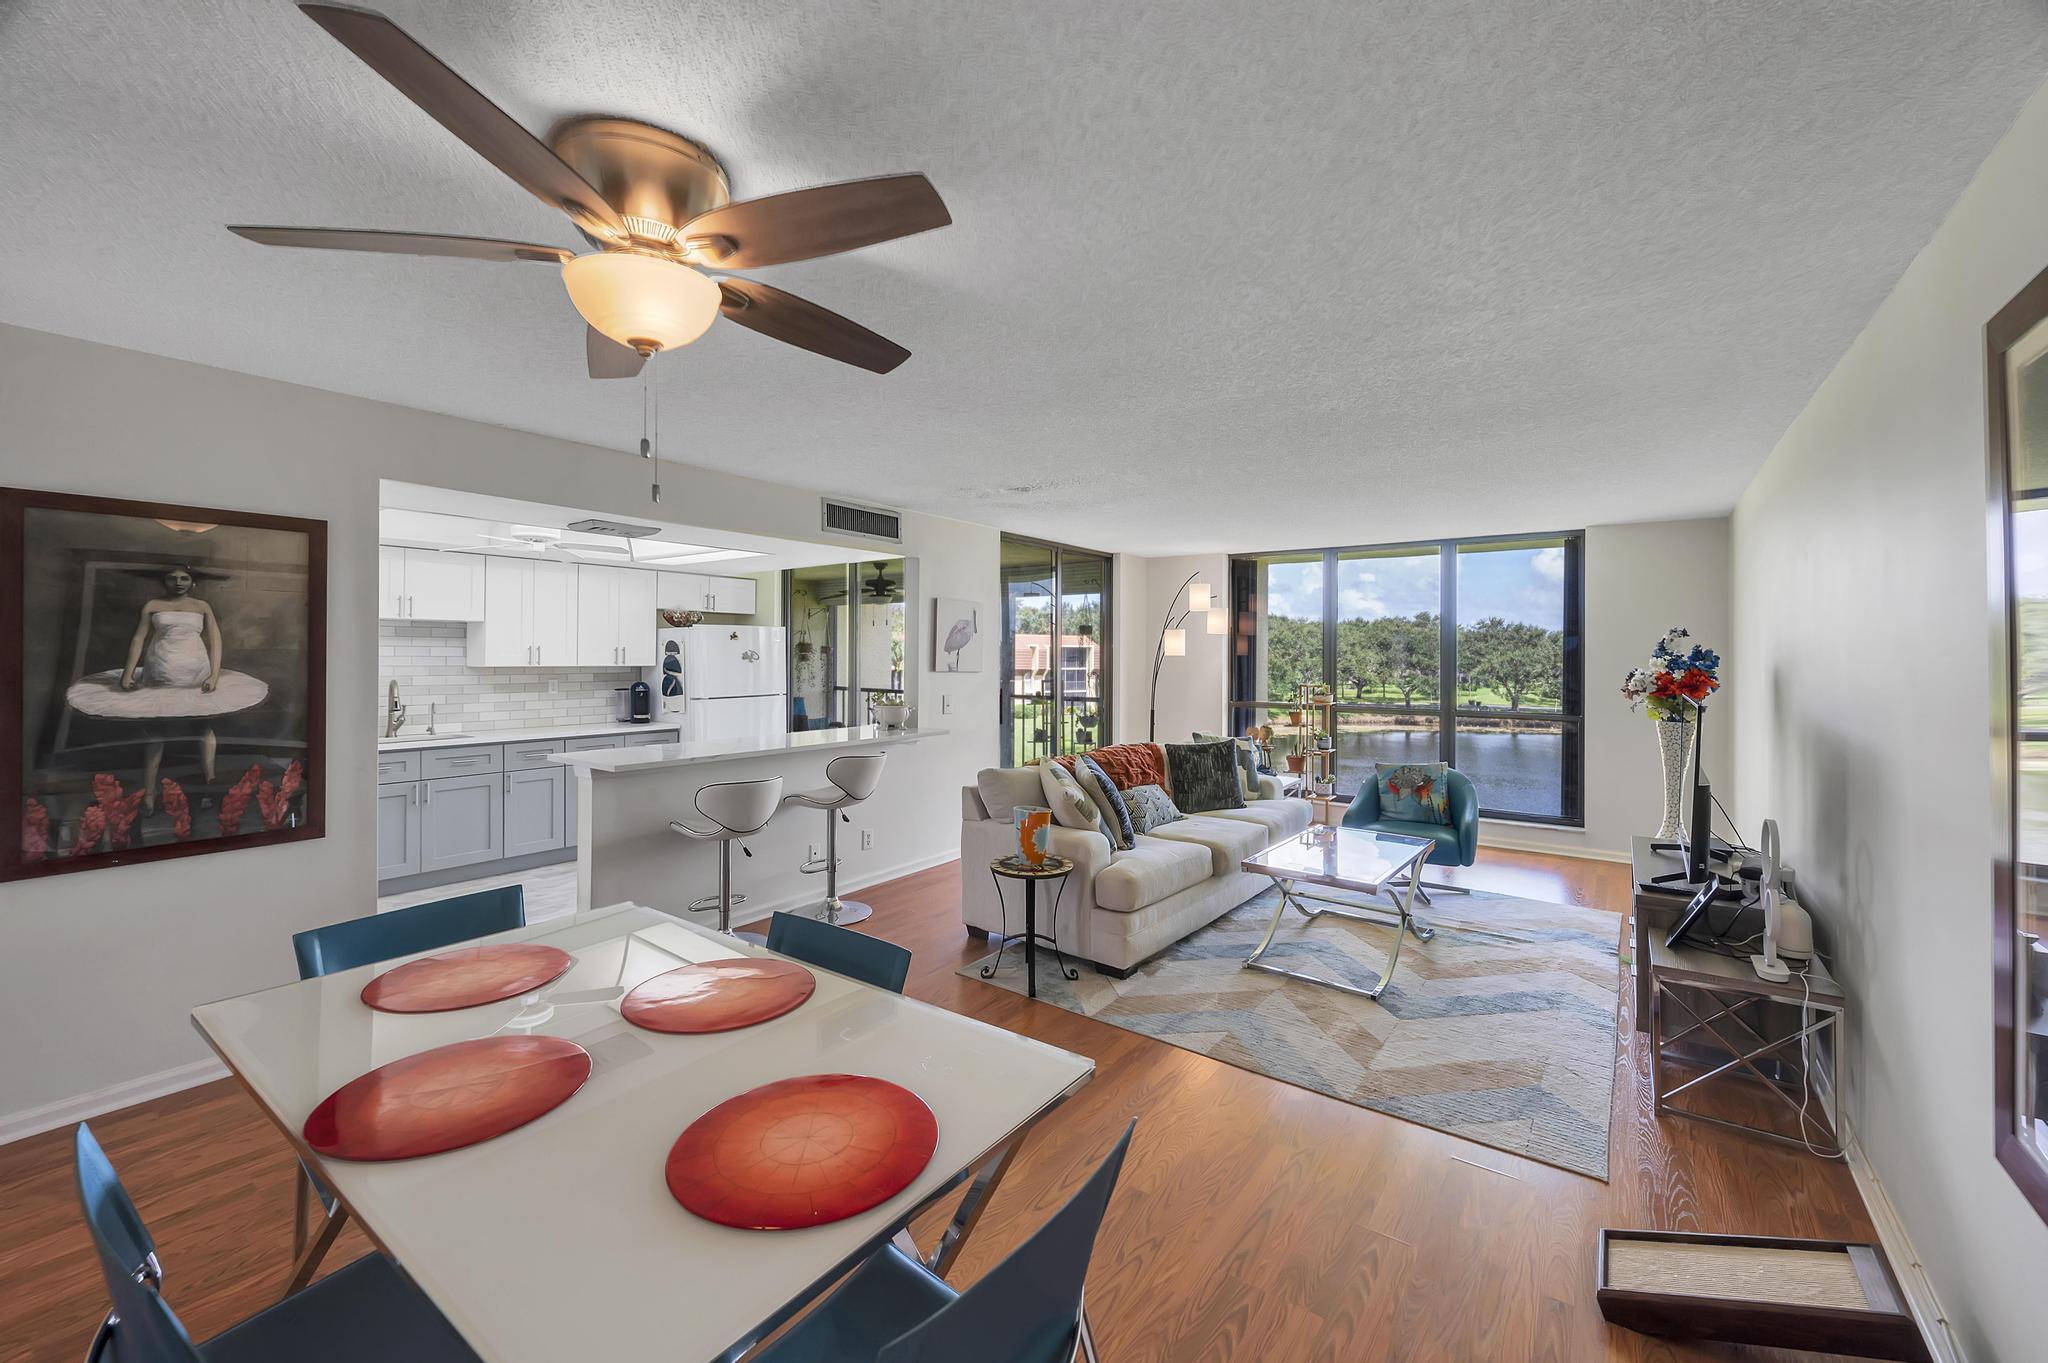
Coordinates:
[105,965]
[1860,628]
[1640,580]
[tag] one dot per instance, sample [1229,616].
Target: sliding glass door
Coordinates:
[1461,651]
[1053,695]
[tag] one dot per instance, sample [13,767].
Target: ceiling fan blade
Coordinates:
[807,326]
[457,105]
[820,221]
[403,243]
[607,358]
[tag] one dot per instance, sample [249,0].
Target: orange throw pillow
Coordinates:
[1128,764]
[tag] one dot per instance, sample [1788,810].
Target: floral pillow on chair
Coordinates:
[1416,792]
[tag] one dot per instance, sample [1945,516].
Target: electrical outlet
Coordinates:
[554,687]
[867,840]
[815,853]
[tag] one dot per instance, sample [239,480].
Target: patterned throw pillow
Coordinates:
[1116,815]
[1151,807]
[1204,776]
[1071,807]
[1247,765]
[1418,792]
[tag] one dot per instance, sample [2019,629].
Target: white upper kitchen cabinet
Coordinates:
[429,584]
[614,616]
[697,592]
[529,615]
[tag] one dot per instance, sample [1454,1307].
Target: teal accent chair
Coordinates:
[368,1310]
[855,954]
[1457,843]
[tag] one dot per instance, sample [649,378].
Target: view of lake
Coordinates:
[1518,771]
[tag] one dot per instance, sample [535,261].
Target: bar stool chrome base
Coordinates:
[853,779]
[711,901]
[839,912]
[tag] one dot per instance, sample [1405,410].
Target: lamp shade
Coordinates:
[643,302]
[1199,598]
[1219,620]
[1175,643]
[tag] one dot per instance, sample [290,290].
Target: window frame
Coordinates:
[1247,612]
[2022,1161]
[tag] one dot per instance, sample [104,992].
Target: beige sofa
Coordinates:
[1119,907]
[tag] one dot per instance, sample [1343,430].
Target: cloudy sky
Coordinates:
[1517,584]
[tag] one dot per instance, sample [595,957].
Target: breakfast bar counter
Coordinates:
[626,798]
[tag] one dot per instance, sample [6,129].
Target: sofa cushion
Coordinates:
[1247,764]
[1281,819]
[1204,776]
[1128,764]
[1070,805]
[1148,872]
[1004,788]
[1151,808]
[1227,841]
[1116,815]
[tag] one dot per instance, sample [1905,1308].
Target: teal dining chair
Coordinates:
[1453,844]
[400,932]
[867,959]
[366,941]
[368,1310]
[1027,1309]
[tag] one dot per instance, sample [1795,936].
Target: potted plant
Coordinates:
[1297,762]
[890,711]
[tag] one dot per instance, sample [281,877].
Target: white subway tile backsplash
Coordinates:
[427,661]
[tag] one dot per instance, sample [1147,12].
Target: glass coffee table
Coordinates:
[1356,859]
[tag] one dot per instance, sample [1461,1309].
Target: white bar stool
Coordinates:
[854,778]
[734,809]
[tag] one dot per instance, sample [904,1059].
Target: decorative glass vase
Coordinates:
[1674,745]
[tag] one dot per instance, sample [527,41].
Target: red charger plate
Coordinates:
[718,996]
[446,1098]
[802,1152]
[466,978]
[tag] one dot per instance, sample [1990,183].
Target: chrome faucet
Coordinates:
[394,713]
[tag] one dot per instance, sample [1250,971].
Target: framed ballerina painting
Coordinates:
[162,681]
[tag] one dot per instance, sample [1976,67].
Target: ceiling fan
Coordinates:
[657,206]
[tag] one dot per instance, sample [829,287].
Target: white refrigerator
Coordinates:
[722,681]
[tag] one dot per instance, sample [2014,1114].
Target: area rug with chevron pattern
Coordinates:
[1501,1030]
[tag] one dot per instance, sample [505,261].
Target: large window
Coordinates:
[1463,651]
[1055,650]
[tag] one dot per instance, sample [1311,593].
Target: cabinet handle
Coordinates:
[411,606]
[426,793]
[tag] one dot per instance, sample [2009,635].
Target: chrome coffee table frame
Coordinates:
[1401,872]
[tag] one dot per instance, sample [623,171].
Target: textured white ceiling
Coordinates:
[1222,275]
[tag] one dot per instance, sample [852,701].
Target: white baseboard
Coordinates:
[1898,1248]
[1490,837]
[34,1121]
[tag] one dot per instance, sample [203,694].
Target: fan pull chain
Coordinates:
[647,446]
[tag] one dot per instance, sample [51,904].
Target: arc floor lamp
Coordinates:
[1173,638]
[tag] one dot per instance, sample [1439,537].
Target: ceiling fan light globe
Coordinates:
[640,301]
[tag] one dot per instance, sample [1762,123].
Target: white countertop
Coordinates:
[655,756]
[422,739]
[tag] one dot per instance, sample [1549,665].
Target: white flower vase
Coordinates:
[1674,745]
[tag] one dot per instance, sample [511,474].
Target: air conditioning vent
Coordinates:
[621,529]
[868,522]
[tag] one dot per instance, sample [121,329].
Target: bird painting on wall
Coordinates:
[957,634]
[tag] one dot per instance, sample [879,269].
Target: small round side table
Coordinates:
[1052,868]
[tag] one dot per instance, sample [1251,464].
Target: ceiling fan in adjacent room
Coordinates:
[657,206]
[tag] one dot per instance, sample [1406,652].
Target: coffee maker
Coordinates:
[636,703]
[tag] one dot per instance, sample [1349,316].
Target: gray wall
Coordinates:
[105,965]
[1863,728]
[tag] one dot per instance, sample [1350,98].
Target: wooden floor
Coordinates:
[1254,1221]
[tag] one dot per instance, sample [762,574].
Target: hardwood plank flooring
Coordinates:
[1255,1220]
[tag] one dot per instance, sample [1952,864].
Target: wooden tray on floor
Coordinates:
[1830,1295]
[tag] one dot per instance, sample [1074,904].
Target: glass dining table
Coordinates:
[560,1240]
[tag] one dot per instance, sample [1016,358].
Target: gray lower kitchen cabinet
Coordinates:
[534,809]
[398,830]
[461,821]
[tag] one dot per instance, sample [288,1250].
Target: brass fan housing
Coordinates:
[656,180]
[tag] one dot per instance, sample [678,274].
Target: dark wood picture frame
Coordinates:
[2027,309]
[14,503]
